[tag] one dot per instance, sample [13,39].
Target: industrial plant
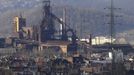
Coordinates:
[54,48]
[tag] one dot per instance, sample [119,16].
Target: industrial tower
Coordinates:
[47,30]
[19,22]
[47,27]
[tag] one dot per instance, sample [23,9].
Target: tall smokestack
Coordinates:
[61,27]
[90,39]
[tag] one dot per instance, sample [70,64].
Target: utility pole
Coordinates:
[117,67]
[112,22]
[112,35]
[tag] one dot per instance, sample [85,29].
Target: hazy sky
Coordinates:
[125,4]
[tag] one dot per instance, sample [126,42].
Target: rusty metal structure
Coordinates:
[47,27]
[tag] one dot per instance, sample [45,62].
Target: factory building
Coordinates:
[19,23]
[99,40]
[45,35]
[27,32]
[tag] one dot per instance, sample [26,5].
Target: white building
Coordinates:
[101,40]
